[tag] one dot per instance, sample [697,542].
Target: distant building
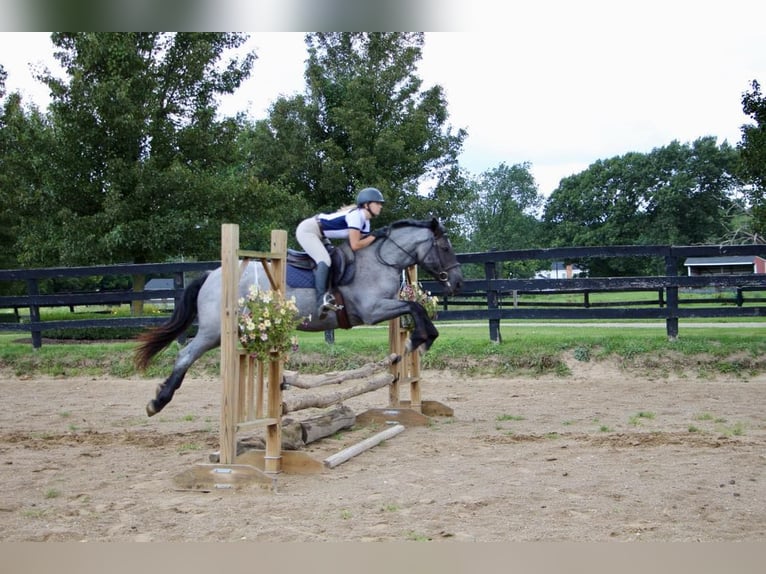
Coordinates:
[159,284]
[738,265]
[559,270]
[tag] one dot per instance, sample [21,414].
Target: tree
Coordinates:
[678,194]
[139,160]
[24,145]
[752,149]
[363,121]
[694,187]
[505,214]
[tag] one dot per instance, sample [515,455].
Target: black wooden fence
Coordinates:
[490,298]
[499,299]
[34,300]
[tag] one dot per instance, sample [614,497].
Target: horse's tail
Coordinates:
[156,339]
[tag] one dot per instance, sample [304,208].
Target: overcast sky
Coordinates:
[555,84]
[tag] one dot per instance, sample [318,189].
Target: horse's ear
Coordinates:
[436,226]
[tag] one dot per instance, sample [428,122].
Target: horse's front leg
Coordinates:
[425,332]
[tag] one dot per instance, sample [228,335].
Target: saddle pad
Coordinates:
[300,278]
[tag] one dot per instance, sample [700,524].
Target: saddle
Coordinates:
[300,267]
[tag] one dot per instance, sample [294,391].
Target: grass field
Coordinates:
[526,348]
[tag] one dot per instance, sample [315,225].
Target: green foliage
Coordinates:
[25,141]
[677,194]
[363,120]
[131,162]
[139,168]
[505,215]
[753,152]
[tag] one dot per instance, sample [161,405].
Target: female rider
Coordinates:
[352,222]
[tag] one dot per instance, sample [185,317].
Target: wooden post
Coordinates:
[259,390]
[278,277]
[395,346]
[671,322]
[490,273]
[229,355]
[272,460]
[412,363]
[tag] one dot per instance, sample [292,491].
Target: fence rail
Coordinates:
[490,298]
[500,299]
[34,300]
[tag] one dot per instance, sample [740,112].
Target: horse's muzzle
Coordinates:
[450,287]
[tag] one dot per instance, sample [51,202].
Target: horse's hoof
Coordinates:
[150,409]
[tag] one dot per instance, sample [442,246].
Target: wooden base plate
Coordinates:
[209,477]
[293,461]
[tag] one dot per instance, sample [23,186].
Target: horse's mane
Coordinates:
[433,224]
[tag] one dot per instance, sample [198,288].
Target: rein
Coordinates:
[440,274]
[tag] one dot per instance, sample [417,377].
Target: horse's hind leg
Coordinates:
[165,391]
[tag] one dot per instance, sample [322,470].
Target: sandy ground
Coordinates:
[600,455]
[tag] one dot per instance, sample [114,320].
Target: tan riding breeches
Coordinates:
[309,235]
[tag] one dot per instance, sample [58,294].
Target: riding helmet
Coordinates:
[369,194]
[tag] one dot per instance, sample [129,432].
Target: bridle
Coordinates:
[441,274]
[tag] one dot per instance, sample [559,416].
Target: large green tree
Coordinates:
[678,194]
[140,169]
[25,141]
[364,120]
[752,148]
[506,214]
[6,184]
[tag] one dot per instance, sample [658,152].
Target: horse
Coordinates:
[366,283]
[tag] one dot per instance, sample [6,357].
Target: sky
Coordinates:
[558,85]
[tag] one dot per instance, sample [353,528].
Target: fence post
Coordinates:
[178,287]
[33,289]
[671,322]
[490,273]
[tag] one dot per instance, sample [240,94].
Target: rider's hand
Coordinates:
[377,233]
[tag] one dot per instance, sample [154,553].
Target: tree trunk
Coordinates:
[321,400]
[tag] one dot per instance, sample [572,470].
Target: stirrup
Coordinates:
[327,305]
[328,300]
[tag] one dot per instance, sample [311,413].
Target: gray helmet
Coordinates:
[369,194]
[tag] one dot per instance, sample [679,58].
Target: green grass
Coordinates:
[635,420]
[505,417]
[462,347]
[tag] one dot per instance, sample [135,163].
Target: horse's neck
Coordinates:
[399,250]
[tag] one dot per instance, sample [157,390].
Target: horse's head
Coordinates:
[426,243]
[441,260]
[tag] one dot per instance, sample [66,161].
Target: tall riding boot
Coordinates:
[325,300]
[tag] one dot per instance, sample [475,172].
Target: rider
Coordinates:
[351,222]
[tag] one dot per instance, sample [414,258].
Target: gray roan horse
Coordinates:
[369,297]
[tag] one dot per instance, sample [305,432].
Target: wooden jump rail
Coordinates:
[244,380]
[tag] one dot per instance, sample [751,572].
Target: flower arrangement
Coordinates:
[410,292]
[266,324]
